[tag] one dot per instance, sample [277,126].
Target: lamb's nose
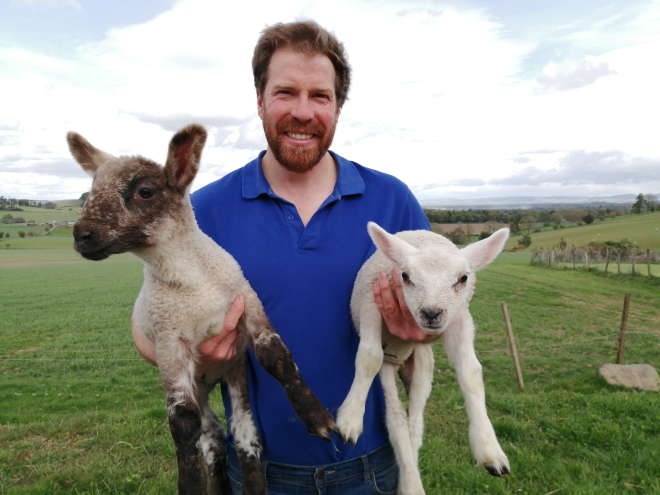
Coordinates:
[83,233]
[431,315]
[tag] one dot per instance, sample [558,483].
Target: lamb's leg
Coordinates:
[212,442]
[410,481]
[368,361]
[419,391]
[177,367]
[276,359]
[459,345]
[246,437]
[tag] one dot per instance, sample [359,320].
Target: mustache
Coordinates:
[291,126]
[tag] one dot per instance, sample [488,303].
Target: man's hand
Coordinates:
[395,312]
[220,347]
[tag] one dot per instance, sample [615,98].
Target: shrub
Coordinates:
[21,234]
[525,240]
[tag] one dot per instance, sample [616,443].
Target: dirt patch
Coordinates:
[450,227]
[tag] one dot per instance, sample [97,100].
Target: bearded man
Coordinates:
[295,219]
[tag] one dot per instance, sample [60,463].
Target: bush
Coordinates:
[484,234]
[21,234]
[525,240]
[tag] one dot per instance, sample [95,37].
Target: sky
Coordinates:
[458,98]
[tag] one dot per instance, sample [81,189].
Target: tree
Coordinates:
[639,204]
[83,198]
[49,205]
[556,218]
[651,202]
[575,215]
[589,218]
[21,234]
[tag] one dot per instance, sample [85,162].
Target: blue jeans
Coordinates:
[373,474]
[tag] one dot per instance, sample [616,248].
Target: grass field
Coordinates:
[82,413]
[643,229]
[43,215]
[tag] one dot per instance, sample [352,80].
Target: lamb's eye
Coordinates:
[405,278]
[463,279]
[146,193]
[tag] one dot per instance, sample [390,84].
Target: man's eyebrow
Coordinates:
[320,89]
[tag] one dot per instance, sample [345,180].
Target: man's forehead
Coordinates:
[287,66]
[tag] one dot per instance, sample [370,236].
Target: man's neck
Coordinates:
[306,190]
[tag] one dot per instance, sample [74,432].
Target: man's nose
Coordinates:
[302,109]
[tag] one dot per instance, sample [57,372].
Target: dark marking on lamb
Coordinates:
[185,426]
[253,480]
[218,470]
[276,359]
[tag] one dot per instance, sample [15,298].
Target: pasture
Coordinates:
[82,413]
[643,229]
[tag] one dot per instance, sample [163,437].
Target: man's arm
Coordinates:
[220,347]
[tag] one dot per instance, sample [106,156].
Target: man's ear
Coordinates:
[260,106]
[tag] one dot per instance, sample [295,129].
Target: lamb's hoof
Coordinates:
[323,426]
[494,471]
[346,439]
[349,426]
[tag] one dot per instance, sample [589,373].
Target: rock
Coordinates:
[641,376]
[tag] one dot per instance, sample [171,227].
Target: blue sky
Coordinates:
[459,99]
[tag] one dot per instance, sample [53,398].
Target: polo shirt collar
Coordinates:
[349,181]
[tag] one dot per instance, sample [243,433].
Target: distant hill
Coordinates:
[527,202]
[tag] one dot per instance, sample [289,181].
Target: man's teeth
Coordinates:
[300,136]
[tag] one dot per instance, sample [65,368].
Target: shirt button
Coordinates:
[290,217]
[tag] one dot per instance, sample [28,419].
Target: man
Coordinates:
[295,219]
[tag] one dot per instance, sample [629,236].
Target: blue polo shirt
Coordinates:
[304,276]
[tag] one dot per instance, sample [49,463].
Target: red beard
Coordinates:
[297,158]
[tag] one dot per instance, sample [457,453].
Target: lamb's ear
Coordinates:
[483,252]
[391,246]
[89,157]
[184,155]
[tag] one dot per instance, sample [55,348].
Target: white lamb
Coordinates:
[438,283]
[136,205]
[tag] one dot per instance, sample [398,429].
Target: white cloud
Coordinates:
[444,95]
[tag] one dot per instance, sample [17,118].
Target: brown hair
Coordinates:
[305,37]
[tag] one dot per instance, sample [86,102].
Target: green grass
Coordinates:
[643,229]
[63,212]
[82,413]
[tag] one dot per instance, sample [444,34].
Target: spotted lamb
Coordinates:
[190,282]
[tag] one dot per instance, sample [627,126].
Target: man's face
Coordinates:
[299,108]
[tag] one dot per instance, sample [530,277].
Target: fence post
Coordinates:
[618,262]
[648,261]
[633,255]
[586,259]
[622,330]
[512,344]
[607,261]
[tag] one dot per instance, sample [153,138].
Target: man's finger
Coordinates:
[234,313]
